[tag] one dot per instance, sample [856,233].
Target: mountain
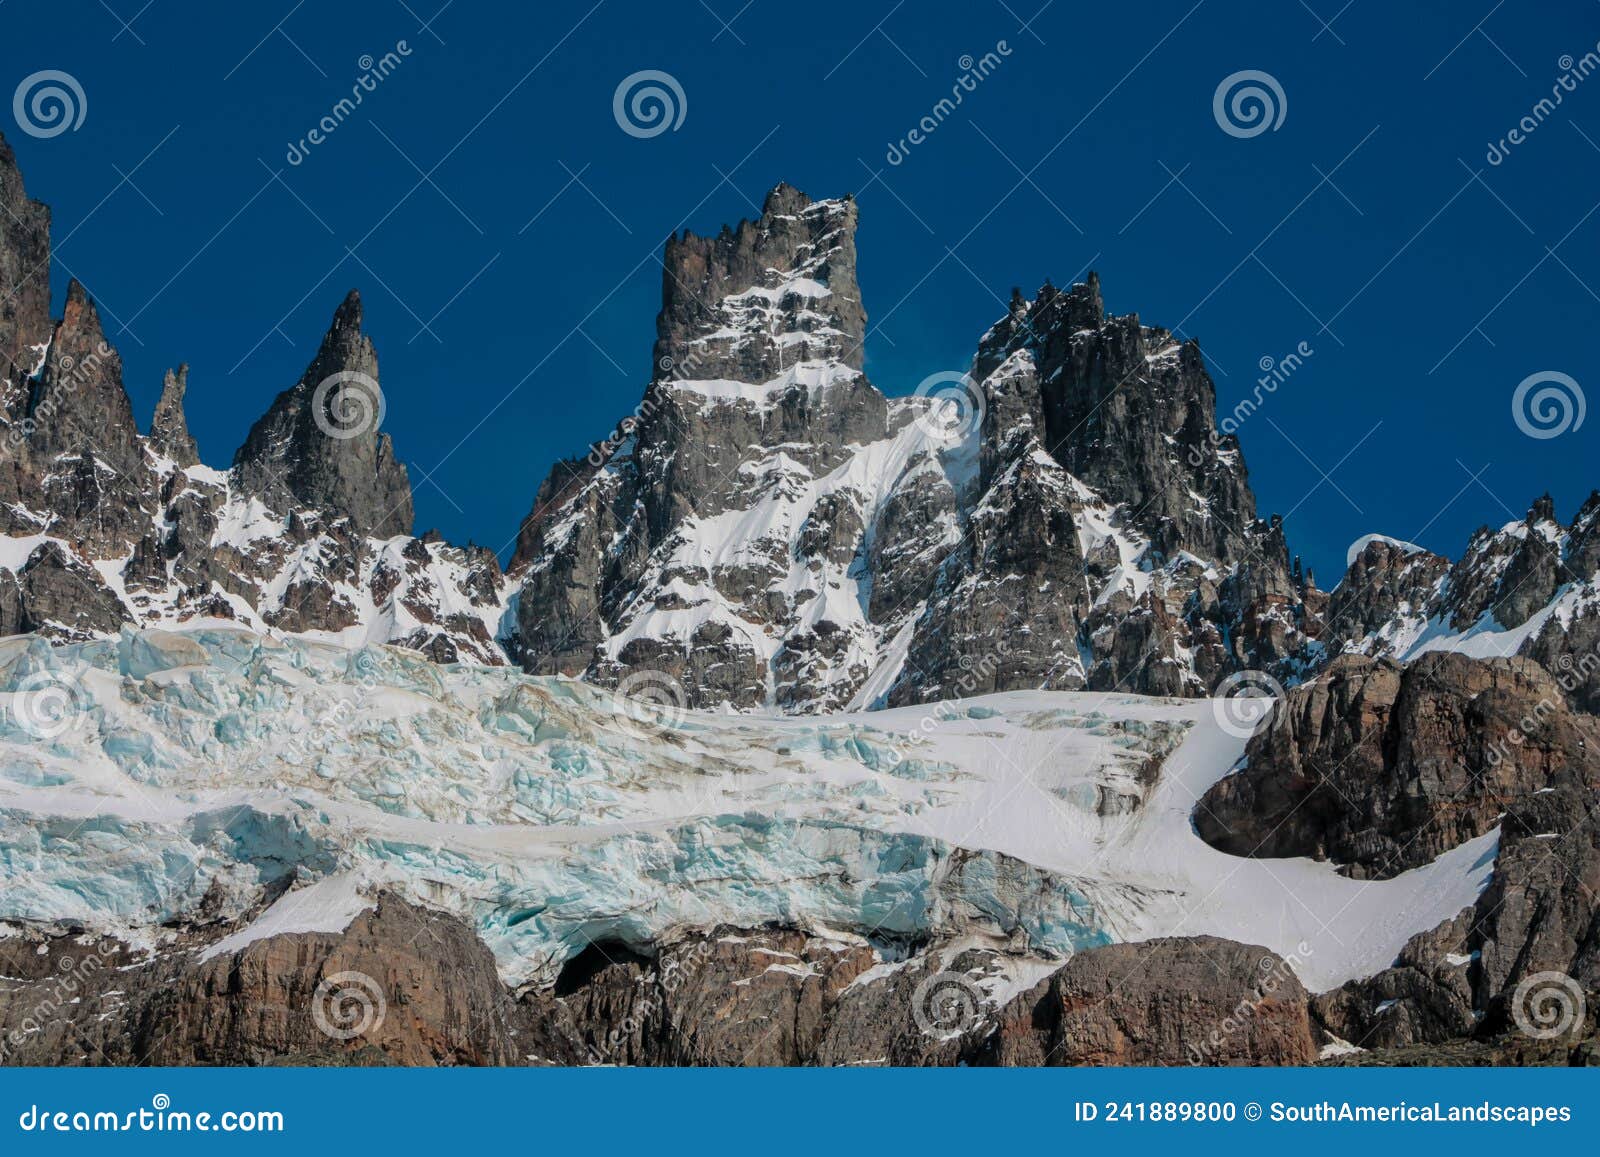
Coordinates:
[1530,587]
[768,530]
[806,725]
[310,531]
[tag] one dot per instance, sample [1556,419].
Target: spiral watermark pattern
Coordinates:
[1548,404]
[1548,1005]
[650,702]
[48,103]
[946,1004]
[1245,702]
[648,103]
[348,404]
[48,704]
[1248,103]
[347,1005]
[957,406]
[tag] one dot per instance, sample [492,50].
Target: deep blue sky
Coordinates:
[1431,280]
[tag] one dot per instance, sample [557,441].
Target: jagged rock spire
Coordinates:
[169,429]
[78,404]
[748,303]
[24,278]
[319,446]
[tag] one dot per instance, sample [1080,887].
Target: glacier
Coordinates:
[280,782]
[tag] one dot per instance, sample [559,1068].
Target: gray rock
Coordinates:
[24,284]
[291,460]
[169,430]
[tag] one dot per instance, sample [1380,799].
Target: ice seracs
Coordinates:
[220,767]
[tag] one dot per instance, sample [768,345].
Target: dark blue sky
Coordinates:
[530,251]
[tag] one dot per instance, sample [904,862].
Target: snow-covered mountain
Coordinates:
[767,530]
[308,532]
[1530,587]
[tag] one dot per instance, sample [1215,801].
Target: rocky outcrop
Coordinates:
[169,429]
[1114,544]
[402,985]
[1515,979]
[64,600]
[399,986]
[1381,767]
[1190,1000]
[319,447]
[1425,998]
[724,315]
[1538,914]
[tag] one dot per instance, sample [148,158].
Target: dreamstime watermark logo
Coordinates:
[650,702]
[1274,972]
[674,973]
[648,103]
[1248,103]
[48,103]
[348,404]
[1571,673]
[1548,1005]
[947,1004]
[1245,702]
[1548,404]
[976,675]
[373,73]
[1573,73]
[48,704]
[61,991]
[1274,372]
[68,375]
[956,406]
[671,370]
[334,722]
[348,1004]
[973,73]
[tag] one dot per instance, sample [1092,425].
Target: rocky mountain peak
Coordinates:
[319,445]
[784,199]
[763,295]
[78,404]
[169,429]
[1128,409]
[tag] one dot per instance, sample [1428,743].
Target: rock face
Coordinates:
[1191,1000]
[1381,767]
[768,530]
[1425,998]
[1515,979]
[406,986]
[319,447]
[169,429]
[1114,544]
[419,987]
[25,274]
